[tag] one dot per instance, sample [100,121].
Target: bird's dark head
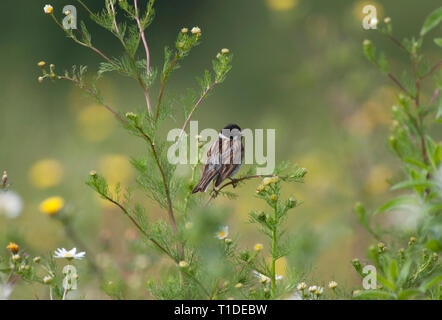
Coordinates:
[231,130]
[232,126]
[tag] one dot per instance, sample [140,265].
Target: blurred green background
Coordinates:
[298,67]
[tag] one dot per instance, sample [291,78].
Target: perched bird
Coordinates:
[224,158]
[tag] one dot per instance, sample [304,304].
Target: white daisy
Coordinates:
[302,286]
[223,233]
[48,8]
[11,204]
[71,254]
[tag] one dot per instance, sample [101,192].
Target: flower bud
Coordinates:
[291,202]
[332,285]
[225,51]
[47,279]
[184,30]
[41,64]
[183,264]
[196,31]
[13,247]
[37,259]
[131,115]
[15,257]
[244,255]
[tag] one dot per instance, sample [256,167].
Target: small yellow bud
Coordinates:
[225,51]
[274,197]
[387,20]
[183,264]
[238,285]
[258,247]
[37,259]
[41,64]
[184,30]
[93,173]
[15,257]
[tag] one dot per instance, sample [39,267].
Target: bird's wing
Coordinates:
[231,158]
[211,166]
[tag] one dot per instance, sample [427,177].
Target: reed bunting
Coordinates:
[224,158]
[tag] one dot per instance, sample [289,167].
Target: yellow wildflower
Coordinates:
[51,205]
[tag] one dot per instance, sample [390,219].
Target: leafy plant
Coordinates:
[407,256]
[202,268]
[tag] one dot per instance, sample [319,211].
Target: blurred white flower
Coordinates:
[332,284]
[223,233]
[11,204]
[71,254]
[302,286]
[312,289]
[5,291]
[319,291]
[262,278]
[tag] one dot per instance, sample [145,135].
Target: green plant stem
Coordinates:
[72,234]
[273,266]
[86,8]
[186,123]
[163,85]
[146,49]
[234,181]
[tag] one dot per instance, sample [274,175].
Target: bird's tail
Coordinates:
[204,183]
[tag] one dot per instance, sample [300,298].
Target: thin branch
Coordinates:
[186,123]
[93,93]
[163,84]
[397,42]
[86,7]
[159,246]
[396,81]
[234,182]
[146,49]
[126,212]
[434,68]
[434,97]
[163,176]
